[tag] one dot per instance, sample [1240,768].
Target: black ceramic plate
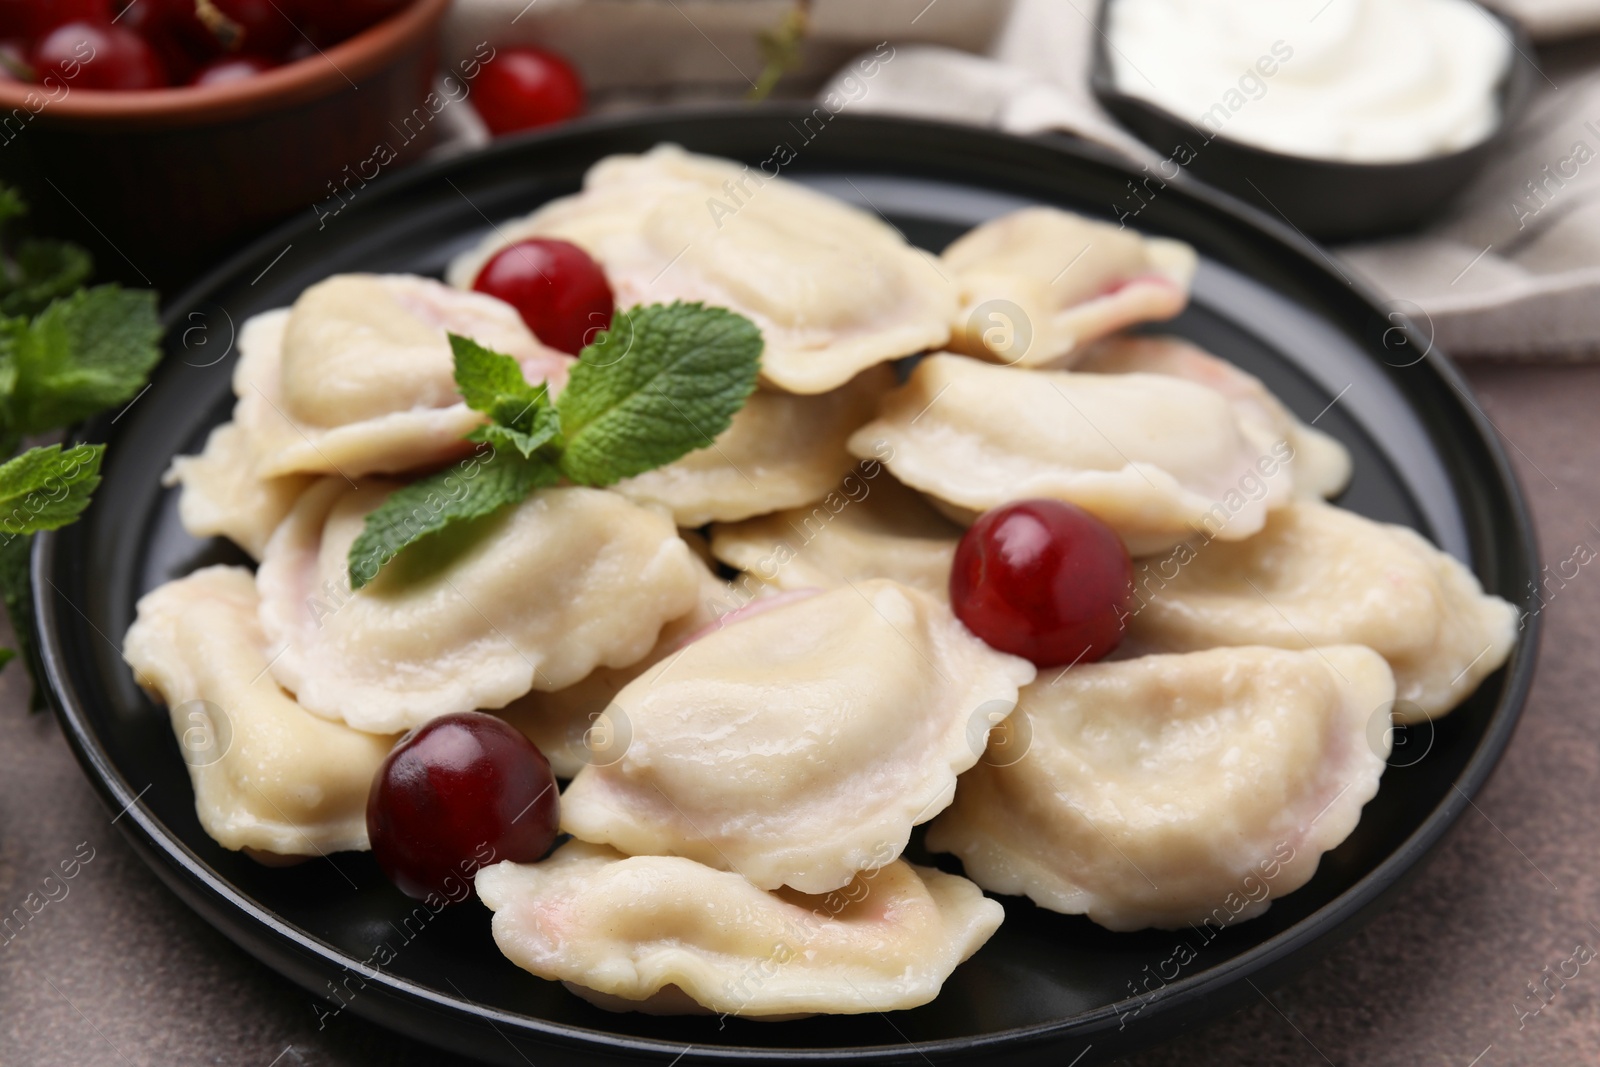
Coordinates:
[1047,987]
[1326,198]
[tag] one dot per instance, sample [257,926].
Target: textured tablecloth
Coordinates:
[119,972]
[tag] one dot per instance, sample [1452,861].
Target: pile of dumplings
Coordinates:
[746,662]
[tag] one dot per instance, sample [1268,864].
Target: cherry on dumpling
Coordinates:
[455,795]
[560,292]
[1044,580]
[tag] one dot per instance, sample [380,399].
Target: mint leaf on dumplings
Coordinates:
[493,384]
[663,381]
[478,486]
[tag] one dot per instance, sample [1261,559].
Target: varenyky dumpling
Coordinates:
[268,775]
[1038,284]
[1320,575]
[833,289]
[666,935]
[800,745]
[781,451]
[536,595]
[222,496]
[568,723]
[1158,458]
[1321,464]
[871,526]
[358,377]
[1174,790]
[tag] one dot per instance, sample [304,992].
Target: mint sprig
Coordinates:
[663,381]
[66,353]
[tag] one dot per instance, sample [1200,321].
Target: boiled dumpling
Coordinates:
[781,451]
[1038,284]
[1319,575]
[798,746]
[568,723]
[357,377]
[1320,463]
[871,526]
[667,935]
[223,497]
[833,289]
[1173,790]
[1158,458]
[268,775]
[533,596]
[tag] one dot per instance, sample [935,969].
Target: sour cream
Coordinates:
[1368,81]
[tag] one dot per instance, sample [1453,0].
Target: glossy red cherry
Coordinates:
[85,55]
[230,69]
[521,88]
[455,795]
[561,293]
[1044,580]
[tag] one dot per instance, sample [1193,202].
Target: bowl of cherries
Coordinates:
[160,131]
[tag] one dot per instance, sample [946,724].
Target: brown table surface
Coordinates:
[120,972]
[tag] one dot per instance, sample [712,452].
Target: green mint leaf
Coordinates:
[470,489]
[46,488]
[525,443]
[82,354]
[42,489]
[493,384]
[41,272]
[663,381]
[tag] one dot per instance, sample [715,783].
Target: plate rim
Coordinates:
[206,891]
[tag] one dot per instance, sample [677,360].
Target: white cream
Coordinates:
[1369,81]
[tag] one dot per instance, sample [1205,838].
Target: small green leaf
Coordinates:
[470,489]
[663,381]
[525,443]
[84,353]
[493,384]
[46,488]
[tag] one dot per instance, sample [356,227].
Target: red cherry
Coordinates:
[1044,580]
[457,794]
[521,88]
[230,69]
[88,56]
[559,291]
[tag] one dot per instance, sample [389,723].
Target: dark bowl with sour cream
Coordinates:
[1331,200]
